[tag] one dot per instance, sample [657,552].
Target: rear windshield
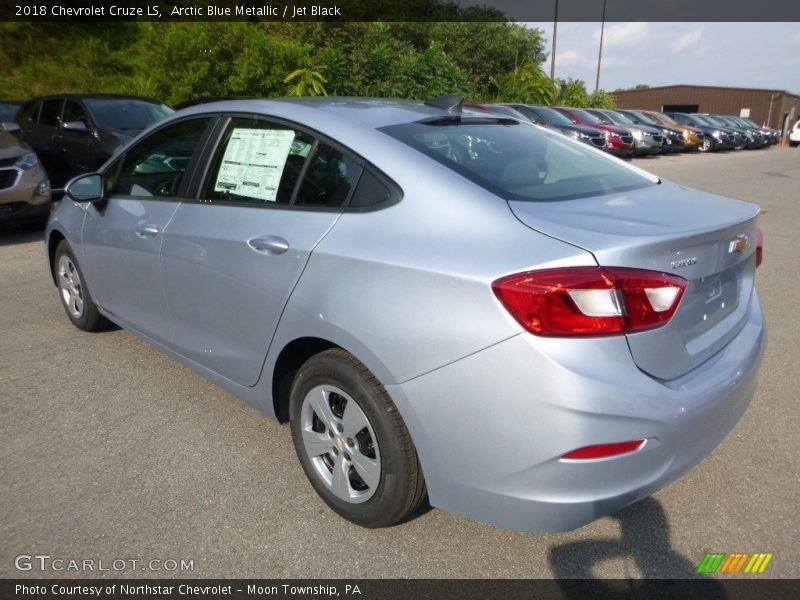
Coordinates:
[126,114]
[518,162]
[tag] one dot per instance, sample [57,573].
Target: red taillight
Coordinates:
[576,301]
[759,246]
[604,450]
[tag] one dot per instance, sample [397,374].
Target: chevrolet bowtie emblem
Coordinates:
[739,244]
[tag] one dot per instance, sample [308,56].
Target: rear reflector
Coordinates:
[759,246]
[580,301]
[604,450]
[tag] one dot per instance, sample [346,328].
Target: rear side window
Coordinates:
[373,190]
[518,162]
[328,180]
[265,163]
[29,113]
[51,111]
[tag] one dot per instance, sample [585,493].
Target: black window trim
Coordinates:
[199,180]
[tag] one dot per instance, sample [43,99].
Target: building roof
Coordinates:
[705,87]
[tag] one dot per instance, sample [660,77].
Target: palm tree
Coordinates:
[307,82]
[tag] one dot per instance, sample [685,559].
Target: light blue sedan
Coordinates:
[449,307]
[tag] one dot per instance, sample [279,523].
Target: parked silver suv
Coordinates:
[24,186]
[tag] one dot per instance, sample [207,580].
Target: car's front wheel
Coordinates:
[74,292]
[352,443]
[707,145]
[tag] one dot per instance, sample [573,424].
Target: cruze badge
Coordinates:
[739,244]
[684,262]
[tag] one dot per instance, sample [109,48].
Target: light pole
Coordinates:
[553,53]
[600,52]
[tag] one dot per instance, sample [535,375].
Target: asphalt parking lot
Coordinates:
[110,450]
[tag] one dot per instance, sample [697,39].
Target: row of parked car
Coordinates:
[627,133]
[46,141]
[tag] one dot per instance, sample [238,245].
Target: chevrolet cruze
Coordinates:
[448,307]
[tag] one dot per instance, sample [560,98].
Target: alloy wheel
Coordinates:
[69,284]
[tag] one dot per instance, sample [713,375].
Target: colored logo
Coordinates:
[736,562]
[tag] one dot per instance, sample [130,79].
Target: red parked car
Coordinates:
[619,140]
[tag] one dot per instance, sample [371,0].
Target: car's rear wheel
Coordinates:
[352,443]
[74,293]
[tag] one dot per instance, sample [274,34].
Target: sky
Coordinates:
[753,55]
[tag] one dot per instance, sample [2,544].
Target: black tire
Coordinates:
[70,287]
[399,491]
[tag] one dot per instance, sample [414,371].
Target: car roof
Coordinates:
[97,96]
[372,113]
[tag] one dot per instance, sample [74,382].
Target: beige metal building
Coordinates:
[773,108]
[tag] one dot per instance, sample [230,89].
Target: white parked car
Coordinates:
[794,135]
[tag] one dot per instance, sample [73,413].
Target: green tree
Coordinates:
[572,92]
[603,99]
[525,83]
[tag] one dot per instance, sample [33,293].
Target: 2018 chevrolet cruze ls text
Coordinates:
[444,305]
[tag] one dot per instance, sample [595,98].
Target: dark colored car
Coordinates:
[548,117]
[674,138]
[755,137]
[647,139]
[619,140]
[74,134]
[8,110]
[773,136]
[740,141]
[716,138]
[24,187]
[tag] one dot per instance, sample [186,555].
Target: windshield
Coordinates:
[517,162]
[552,116]
[8,111]
[716,121]
[647,119]
[585,116]
[602,117]
[126,114]
[700,120]
[750,123]
[666,119]
[618,117]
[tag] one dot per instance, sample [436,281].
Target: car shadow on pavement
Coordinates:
[645,538]
[11,234]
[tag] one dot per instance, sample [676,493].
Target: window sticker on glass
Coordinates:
[253,162]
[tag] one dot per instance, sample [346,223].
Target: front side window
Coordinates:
[74,112]
[155,166]
[266,163]
[518,162]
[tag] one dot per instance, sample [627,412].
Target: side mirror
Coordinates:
[85,188]
[9,126]
[75,126]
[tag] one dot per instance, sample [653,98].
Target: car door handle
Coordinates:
[146,231]
[271,244]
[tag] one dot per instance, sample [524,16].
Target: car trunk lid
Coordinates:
[706,239]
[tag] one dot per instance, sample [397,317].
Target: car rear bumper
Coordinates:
[490,429]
